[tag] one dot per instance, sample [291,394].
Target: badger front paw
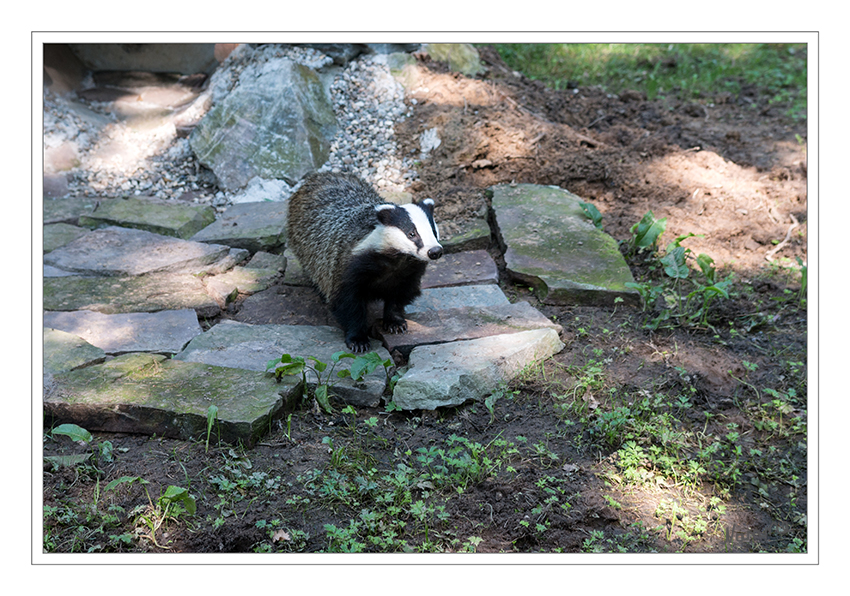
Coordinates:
[395,325]
[358,344]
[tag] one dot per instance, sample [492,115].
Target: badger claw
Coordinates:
[358,346]
[395,326]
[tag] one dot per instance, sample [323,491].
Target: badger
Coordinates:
[357,248]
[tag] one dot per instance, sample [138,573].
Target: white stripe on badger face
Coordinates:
[423,226]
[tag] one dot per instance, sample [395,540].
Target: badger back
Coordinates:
[327,217]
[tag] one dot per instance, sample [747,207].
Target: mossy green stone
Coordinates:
[177,220]
[150,394]
[113,295]
[552,246]
[66,351]
[60,234]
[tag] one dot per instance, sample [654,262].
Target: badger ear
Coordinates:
[427,205]
[384,212]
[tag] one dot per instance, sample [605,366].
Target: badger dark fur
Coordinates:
[358,248]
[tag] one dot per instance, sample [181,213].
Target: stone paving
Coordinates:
[120,300]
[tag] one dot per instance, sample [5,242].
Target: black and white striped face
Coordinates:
[407,229]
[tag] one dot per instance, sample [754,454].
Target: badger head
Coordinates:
[406,229]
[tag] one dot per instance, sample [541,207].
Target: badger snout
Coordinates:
[435,252]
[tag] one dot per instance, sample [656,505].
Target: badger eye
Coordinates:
[411,234]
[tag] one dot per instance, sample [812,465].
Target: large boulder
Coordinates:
[276,123]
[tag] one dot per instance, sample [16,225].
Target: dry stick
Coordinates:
[775,249]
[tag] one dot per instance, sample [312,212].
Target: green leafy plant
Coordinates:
[212,416]
[684,295]
[170,505]
[592,214]
[645,233]
[362,365]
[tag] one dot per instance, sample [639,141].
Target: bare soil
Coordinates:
[731,169]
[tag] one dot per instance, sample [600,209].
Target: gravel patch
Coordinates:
[149,157]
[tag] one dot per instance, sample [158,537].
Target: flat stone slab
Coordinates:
[180,220]
[226,287]
[65,351]
[150,394]
[267,260]
[69,210]
[49,271]
[60,234]
[118,251]
[472,235]
[552,246]
[443,326]
[453,373]
[285,305]
[252,226]
[113,295]
[163,332]
[461,269]
[294,274]
[251,347]
[458,297]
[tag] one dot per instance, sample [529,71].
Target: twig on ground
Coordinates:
[775,249]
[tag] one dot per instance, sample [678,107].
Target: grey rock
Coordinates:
[145,293]
[179,220]
[458,297]
[60,234]
[461,57]
[50,271]
[553,247]
[461,269]
[121,251]
[68,210]
[150,394]
[65,351]
[294,274]
[443,326]
[251,347]
[164,332]
[252,226]
[239,280]
[276,123]
[266,260]
[55,186]
[234,257]
[285,305]
[453,373]
[472,235]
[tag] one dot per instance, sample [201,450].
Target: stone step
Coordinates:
[252,226]
[115,251]
[251,347]
[225,287]
[113,295]
[443,326]
[453,373]
[169,218]
[150,394]
[461,269]
[59,234]
[551,245]
[458,297]
[65,351]
[163,332]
